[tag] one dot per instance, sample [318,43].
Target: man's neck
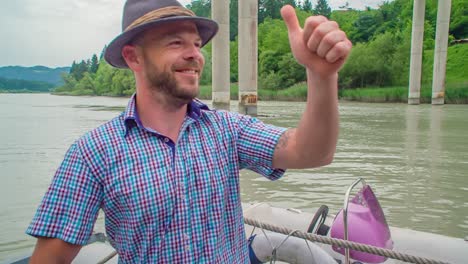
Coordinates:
[159,114]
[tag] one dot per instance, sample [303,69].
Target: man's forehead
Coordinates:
[173,28]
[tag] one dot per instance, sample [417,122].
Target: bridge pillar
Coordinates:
[440,52]
[248,54]
[220,56]
[417,35]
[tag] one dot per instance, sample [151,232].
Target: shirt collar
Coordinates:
[131,118]
[195,107]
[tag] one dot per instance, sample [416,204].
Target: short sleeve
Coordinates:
[256,146]
[70,206]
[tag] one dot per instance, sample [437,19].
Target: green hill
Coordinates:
[15,85]
[457,66]
[36,73]
[456,90]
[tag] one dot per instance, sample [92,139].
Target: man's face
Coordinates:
[172,59]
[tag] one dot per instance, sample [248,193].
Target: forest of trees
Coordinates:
[380,56]
[16,85]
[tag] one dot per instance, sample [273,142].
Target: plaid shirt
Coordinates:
[164,201]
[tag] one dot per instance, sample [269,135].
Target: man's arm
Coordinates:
[322,48]
[53,250]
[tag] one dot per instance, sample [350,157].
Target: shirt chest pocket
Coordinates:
[142,193]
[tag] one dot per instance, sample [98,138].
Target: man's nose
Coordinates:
[193,52]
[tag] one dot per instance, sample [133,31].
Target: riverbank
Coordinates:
[455,93]
[23,91]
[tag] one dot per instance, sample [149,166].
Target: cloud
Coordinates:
[56,32]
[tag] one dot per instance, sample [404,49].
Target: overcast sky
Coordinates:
[53,33]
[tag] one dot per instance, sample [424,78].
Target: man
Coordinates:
[166,171]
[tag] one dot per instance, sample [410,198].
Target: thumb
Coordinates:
[290,19]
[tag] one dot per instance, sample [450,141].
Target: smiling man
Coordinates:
[174,75]
[166,171]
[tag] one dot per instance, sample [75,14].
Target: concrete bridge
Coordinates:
[440,52]
[248,54]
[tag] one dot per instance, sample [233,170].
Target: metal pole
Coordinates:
[440,52]
[416,52]
[221,58]
[248,54]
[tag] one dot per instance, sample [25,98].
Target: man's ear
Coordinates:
[130,55]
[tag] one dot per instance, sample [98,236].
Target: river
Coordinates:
[414,157]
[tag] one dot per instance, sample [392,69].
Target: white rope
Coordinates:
[344,244]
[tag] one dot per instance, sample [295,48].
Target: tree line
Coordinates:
[380,56]
[16,85]
[266,9]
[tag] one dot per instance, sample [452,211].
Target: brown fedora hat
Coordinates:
[139,15]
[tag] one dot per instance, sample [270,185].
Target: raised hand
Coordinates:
[321,46]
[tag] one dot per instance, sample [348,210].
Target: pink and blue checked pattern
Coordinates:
[164,201]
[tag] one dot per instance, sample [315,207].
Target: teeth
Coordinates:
[189,71]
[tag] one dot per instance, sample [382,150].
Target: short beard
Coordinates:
[164,82]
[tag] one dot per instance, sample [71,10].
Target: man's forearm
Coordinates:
[53,250]
[317,132]
[44,258]
[322,47]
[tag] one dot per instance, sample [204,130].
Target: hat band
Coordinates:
[160,13]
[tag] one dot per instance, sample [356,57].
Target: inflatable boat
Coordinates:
[361,224]
[358,233]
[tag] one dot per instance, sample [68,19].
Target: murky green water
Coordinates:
[414,157]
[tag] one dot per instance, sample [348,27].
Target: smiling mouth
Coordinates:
[188,71]
[193,73]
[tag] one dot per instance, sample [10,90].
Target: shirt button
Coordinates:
[186,237]
[166,140]
[187,248]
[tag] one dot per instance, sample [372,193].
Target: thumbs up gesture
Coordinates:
[320,46]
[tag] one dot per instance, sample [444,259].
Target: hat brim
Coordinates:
[207,29]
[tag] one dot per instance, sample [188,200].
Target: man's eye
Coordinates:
[175,43]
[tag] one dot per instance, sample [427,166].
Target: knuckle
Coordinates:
[333,24]
[309,21]
[322,53]
[329,39]
[331,57]
[342,48]
[322,18]
[311,44]
[320,32]
[342,35]
[315,21]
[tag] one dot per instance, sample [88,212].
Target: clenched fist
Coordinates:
[321,46]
